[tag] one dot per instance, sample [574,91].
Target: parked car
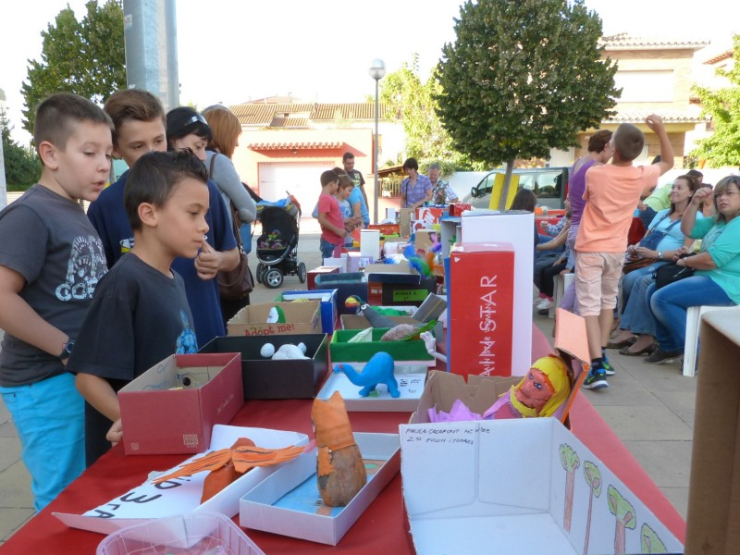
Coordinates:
[549,184]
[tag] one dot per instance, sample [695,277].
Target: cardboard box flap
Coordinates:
[725,321]
[443,389]
[303,312]
[570,335]
[431,309]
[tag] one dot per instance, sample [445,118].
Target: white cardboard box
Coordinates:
[411,380]
[519,487]
[516,228]
[175,500]
[260,510]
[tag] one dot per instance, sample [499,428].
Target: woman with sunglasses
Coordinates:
[716,280]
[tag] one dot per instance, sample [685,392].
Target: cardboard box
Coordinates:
[713,523]
[299,318]
[341,263]
[431,309]
[401,351]
[351,290]
[481,392]
[425,239]
[410,378]
[328,299]
[160,419]
[387,229]
[286,503]
[458,208]
[430,215]
[520,487]
[404,221]
[479,319]
[357,262]
[359,322]
[517,229]
[397,284]
[264,378]
[450,233]
[321,270]
[370,243]
[185,498]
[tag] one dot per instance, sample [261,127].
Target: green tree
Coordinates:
[427,140]
[723,105]
[22,166]
[522,77]
[85,57]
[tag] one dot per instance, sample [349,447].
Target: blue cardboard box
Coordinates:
[328,298]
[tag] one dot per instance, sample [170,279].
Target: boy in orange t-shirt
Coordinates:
[612,193]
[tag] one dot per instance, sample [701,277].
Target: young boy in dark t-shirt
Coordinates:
[51,259]
[140,315]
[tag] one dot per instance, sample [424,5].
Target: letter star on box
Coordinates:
[480,311]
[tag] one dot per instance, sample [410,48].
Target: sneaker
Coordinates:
[596,379]
[660,355]
[608,370]
[545,304]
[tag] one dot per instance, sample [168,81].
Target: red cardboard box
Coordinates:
[321,270]
[458,208]
[480,309]
[430,215]
[172,407]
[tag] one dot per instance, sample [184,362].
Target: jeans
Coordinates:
[326,248]
[669,305]
[546,260]
[636,316]
[50,418]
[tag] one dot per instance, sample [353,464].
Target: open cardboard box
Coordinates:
[172,407]
[288,503]
[481,392]
[182,496]
[264,378]
[351,289]
[397,284]
[403,352]
[328,300]
[359,322]
[519,487]
[713,523]
[410,378]
[299,318]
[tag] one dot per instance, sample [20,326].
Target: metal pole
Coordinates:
[375,157]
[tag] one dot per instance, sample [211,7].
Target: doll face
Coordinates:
[536,391]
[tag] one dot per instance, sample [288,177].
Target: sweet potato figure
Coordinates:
[340,469]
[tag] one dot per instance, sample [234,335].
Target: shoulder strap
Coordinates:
[210,171]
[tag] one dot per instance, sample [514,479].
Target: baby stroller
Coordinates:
[277,247]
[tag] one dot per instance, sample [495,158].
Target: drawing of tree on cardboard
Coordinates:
[625,513]
[570,461]
[650,541]
[592,475]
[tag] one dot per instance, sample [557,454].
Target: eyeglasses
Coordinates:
[725,194]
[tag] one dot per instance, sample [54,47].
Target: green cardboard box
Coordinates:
[340,350]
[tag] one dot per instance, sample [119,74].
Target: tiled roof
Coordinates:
[669,116]
[727,54]
[296,145]
[275,114]
[624,41]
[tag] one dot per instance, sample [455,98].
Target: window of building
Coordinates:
[645,86]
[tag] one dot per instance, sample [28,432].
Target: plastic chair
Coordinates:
[691,344]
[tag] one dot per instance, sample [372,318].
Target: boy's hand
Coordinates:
[208,262]
[701,195]
[654,121]
[115,434]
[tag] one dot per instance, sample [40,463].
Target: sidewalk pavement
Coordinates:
[650,408]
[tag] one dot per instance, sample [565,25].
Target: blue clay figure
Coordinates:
[379,369]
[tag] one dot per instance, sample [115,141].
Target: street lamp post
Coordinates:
[377,71]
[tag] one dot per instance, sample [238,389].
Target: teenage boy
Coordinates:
[330,216]
[140,314]
[612,191]
[139,121]
[358,197]
[51,259]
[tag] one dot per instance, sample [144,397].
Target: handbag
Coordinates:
[234,285]
[632,265]
[670,273]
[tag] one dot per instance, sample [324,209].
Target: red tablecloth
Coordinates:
[381,529]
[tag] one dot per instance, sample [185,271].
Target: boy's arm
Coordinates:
[99,393]
[655,123]
[21,321]
[325,223]
[209,262]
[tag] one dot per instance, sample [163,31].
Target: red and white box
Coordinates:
[516,228]
[319,271]
[479,313]
[172,407]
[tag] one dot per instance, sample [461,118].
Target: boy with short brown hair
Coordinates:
[330,216]
[612,191]
[50,263]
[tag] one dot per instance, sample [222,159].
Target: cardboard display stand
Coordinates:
[714,494]
[519,487]
[172,407]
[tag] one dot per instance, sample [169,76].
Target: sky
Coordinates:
[233,51]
